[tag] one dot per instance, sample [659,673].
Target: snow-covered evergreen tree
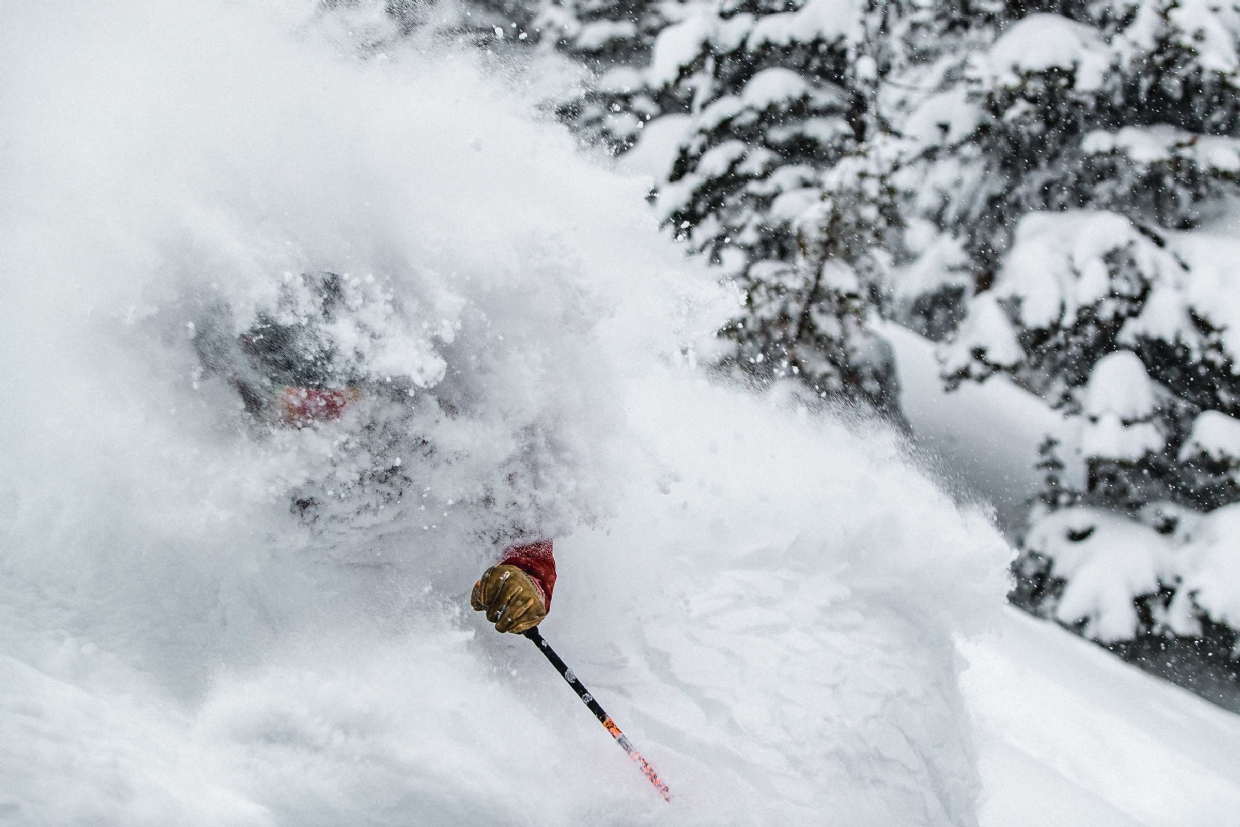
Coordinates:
[1069,188]
[770,182]
[811,317]
[615,40]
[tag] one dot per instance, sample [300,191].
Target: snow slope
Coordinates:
[982,438]
[1072,736]
[1069,734]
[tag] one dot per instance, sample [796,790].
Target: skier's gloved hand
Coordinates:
[512,601]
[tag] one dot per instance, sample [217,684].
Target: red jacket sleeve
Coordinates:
[536,560]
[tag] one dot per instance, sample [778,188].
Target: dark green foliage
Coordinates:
[1102,138]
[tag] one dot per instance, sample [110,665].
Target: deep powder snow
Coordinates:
[766,599]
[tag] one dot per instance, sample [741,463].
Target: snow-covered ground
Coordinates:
[1072,736]
[767,599]
[982,438]
[1069,734]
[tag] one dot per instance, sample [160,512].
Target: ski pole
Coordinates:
[603,717]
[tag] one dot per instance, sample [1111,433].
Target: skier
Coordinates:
[282,373]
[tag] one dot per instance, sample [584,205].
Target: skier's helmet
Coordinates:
[285,365]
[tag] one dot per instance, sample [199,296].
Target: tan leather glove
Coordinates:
[510,599]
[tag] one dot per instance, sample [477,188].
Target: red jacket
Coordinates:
[536,560]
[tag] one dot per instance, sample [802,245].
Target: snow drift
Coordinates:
[765,598]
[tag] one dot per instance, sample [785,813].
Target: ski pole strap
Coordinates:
[599,712]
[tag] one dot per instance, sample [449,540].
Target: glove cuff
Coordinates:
[537,560]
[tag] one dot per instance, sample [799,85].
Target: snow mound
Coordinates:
[1120,385]
[764,599]
[943,119]
[1212,290]
[1214,434]
[1042,42]
[1058,263]
[1077,738]
[1106,559]
[827,20]
[1210,568]
[987,332]
[1119,401]
[1163,143]
[793,618]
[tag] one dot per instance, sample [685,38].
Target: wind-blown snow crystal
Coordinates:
[206,619]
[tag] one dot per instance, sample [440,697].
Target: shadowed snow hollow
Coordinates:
[206,618]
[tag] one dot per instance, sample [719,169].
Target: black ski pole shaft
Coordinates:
[599,712]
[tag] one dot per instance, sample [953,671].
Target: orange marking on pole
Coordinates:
[642,764]
[605,719]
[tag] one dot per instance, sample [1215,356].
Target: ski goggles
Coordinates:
[301,406]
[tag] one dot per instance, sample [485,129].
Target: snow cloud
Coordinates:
[766,599]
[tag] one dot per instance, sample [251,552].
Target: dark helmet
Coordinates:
[287,372]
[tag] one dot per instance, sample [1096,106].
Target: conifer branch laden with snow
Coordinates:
[812,319]
[773,104]
[1075,181]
